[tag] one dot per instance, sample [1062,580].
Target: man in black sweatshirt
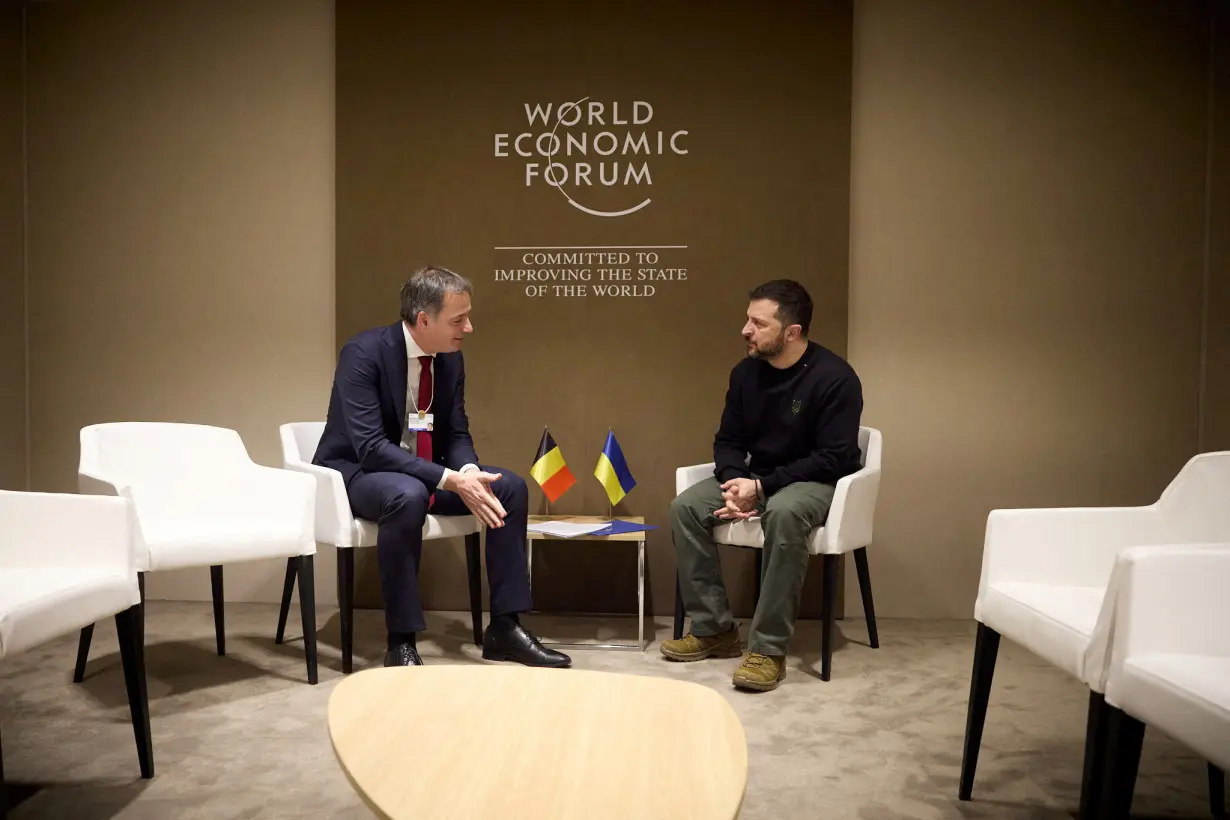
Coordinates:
[788,432]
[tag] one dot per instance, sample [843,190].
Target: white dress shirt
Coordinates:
[414,370]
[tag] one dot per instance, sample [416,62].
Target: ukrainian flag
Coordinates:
[549,469]
[612,471]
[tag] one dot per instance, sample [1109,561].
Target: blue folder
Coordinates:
[618,527]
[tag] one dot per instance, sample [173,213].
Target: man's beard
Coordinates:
[771,350]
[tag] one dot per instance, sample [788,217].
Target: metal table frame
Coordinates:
[640,592]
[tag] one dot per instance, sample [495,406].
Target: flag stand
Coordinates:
[610,508]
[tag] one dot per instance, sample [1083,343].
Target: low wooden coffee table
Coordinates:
[634,537]
[472,742]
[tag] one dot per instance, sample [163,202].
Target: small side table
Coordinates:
[636,537]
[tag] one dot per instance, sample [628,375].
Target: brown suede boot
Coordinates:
[760,672]
[698,647]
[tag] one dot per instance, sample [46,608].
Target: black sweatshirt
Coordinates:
[799,423]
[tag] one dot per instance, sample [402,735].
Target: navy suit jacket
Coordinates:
[367,411]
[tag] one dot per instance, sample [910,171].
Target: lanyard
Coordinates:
[413,403]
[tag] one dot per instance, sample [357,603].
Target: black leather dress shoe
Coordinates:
[404,655]
[507,640]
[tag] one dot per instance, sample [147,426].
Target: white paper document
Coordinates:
[565,529]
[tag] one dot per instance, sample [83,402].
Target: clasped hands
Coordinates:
[474,487]
[740,495]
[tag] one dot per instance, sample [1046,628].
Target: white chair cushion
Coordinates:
[38,605]
[1184,696]
[749,533]
[1056,623]
[198,541]
[365,532]
[436,526]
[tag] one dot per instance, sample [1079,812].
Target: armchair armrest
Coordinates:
[687,476]
[1173,600]
[91,483]
[46,530]
[852,515]
[272,491]
[334,519]
[1066,545]
[248,491]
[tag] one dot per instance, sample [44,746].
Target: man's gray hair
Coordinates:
[425,291]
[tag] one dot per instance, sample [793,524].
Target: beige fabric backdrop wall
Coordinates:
[1027,248]
[762,192]
[12,276]
[1027,240]
[1216,415]
[181,229]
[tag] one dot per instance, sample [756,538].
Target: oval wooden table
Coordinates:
[508,742]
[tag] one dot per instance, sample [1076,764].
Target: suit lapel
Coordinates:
[396,367]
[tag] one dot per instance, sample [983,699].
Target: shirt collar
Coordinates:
[413,351]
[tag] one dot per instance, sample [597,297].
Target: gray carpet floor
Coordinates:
[244,736]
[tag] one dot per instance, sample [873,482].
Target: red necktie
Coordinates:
[422,444]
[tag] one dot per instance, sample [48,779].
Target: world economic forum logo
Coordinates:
[580,147]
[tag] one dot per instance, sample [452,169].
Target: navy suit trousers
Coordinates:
[398,503]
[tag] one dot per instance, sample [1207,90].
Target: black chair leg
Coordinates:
[132,654]
[864,588]
[307,611]
[83,652]
[826,615]
[759,578]
[1124,737]
[1095,757]
[288,589]
[986,648]
[1217,792]
[215,583]
[4,791]
[474,569]
[87,635]
[678,631]
[141,620]
[345,601]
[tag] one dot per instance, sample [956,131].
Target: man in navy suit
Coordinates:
[397,432]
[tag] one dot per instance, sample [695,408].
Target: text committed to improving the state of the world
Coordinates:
[608,272]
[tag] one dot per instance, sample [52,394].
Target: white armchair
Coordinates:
[1049,582]
[849,528]
[68,561]
[336,525]
[1169,665]
[199,500]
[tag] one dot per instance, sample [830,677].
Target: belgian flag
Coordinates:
[549,469]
